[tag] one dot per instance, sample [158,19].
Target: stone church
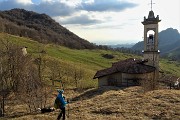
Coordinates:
[131,72]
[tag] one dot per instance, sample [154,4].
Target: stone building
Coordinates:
[131,72]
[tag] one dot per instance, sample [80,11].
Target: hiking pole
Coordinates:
[68,100]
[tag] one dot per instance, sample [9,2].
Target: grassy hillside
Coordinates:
[94,104]
[112,103]
[88,60]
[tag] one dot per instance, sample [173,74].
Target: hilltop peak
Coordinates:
[24,14]
[40,27]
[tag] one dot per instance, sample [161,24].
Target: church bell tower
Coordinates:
[151,52]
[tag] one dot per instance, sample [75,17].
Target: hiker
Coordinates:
[62,104]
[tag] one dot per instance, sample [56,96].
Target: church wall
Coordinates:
[110,80]
[127,78]
[102,81]
[122,79]
[153,58]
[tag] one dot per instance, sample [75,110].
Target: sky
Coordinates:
[103,21]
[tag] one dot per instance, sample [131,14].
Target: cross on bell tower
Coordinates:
[151,4]
[151,51]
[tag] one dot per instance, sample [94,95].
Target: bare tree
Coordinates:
[56,70]
[20,74]
[8,69]
[78,74]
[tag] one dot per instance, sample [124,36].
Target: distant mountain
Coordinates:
[169,40]
[138,46]
[121,45]
[40,27]
[169,43]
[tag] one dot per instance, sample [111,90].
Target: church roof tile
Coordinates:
[130,66]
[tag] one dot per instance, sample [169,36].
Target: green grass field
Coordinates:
[89,60]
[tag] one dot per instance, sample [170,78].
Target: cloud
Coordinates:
[7,5]
[65,7]
[79,20]
[106,5]
[55,8]
[24,1]
[70,12]
[50,7]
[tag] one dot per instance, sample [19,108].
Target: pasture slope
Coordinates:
[111,103]
[94,103]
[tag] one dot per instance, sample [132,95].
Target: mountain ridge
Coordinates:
[40,27]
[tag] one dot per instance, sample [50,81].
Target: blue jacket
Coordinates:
[62,100]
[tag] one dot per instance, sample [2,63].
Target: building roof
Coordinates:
[129,66]
[151,19]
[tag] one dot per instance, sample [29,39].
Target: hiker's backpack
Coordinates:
[57,103]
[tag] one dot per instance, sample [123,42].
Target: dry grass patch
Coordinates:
[112,103]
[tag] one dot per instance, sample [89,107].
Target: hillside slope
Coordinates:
[89,60]
[95,104]
[40,27]
[111,103]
